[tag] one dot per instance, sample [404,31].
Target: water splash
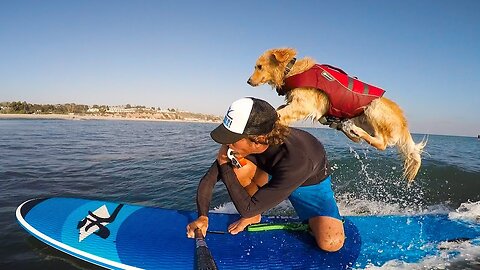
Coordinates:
[469,211]
[452,255]
[363,165]
[371,184]
[349,205]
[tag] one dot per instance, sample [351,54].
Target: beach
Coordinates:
[171,117]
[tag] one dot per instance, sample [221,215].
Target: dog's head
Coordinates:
[270,67]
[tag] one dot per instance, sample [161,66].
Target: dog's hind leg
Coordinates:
[352,136]
[356,133]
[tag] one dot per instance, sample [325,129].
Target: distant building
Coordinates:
[120,109]
[162,110]
[92,110]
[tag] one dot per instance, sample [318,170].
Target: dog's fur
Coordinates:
[382,124]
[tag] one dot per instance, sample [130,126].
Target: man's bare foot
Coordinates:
[240,224]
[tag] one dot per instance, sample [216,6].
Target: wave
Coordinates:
[453,255]
[468,211]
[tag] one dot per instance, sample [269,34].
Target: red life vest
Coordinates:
[348,96]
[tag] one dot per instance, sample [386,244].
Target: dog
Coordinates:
[381,122]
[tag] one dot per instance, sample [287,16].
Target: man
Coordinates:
[295,160]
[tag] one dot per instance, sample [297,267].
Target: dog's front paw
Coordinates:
[336,125]
[332,122]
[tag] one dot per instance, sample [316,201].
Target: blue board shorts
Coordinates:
[315,200]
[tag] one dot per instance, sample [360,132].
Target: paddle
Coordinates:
[204,259]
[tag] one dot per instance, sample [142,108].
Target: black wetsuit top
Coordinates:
[299,161]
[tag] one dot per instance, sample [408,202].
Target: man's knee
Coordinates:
[331,243]
[329,233]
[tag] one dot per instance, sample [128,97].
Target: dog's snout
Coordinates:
[251,82]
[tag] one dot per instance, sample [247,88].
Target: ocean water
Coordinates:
[160,163]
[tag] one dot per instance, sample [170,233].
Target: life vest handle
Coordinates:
[335,68]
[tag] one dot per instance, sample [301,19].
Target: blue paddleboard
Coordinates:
[120,236]
[123,236]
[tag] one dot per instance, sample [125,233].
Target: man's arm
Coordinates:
[268,196]
[205,189]
[204,196]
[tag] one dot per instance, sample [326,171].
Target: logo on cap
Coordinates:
[227,120]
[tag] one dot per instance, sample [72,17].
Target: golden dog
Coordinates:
[382,123]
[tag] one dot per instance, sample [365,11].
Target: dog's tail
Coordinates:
[411,153]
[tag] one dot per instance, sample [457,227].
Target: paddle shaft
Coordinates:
[204,259]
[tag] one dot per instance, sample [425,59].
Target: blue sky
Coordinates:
[198,55]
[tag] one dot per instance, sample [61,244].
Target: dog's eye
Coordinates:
[259,67]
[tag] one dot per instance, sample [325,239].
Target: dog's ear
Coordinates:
[282,55]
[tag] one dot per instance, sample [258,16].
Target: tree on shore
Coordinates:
[19,107]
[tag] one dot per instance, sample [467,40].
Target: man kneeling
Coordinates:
[296,161]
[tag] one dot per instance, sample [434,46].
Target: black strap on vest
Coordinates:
[289,66]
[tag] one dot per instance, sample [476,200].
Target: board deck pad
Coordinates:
[119,236]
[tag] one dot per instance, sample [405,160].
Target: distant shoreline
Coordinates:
[95,117]
[120,118]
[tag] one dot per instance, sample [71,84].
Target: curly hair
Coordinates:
[275,137]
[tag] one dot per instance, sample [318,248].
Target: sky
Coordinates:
[197,55]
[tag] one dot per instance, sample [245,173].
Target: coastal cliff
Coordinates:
[12,110]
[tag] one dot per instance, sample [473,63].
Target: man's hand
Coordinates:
[201,223]
[222,155]
[242,223]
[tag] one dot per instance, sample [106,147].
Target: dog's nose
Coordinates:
[249,81]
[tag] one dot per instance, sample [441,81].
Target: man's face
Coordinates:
[242,148]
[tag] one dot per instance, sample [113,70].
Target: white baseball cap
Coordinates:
[246,116]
